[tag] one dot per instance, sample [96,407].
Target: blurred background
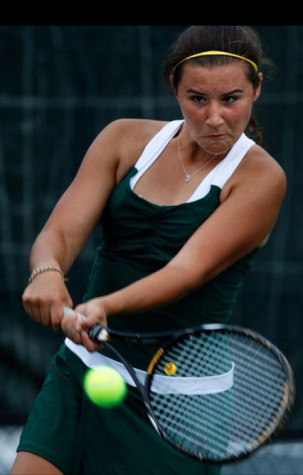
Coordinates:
[59,86]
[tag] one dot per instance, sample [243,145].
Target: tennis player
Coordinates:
[184,206]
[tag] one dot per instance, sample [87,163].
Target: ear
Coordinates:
[171,82]
[257,91]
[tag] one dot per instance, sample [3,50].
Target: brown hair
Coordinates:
[239,40]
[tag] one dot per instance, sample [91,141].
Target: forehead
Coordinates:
[226,77]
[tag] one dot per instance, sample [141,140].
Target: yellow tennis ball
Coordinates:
[104,386]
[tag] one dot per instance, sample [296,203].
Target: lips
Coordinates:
[216,136]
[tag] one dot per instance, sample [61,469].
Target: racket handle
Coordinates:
[98,333]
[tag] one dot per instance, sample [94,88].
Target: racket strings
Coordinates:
[177,419]
[188,432]
[175,408]
[204,359]
[224,424]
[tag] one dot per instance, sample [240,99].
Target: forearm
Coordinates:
[50,249]
[157,290]
[47,293]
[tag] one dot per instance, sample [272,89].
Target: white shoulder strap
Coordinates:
[154,148]
[222,172]
[232,160]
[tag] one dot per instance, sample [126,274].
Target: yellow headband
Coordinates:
[217,53]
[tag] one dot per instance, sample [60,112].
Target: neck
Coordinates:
[190,173]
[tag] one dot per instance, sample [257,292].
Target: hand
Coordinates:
[76,327]
[44,298]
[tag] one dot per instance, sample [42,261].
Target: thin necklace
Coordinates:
[188,176]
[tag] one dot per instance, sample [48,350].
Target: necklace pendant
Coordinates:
[187,178]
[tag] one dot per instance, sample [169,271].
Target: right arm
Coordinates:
[76,215]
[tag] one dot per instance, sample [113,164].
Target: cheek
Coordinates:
[194,115]
[240,116]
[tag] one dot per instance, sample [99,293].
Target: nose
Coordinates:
[214,117]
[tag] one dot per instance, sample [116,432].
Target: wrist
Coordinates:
[41,269]
[110,304]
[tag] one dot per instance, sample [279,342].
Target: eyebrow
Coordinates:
[229,93]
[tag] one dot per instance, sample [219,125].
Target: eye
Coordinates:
[198,99]
[230,99]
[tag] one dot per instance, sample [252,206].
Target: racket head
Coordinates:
[229,424]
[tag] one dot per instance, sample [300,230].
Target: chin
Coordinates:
[221,146]
[219,149]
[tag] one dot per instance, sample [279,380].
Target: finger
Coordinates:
[57,313]
[31,306]
[40,312]
[43,312]
[37,307]
[71,328]
[68,321]
[88,343]
[27,306]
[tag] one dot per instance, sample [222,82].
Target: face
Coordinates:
[216,104]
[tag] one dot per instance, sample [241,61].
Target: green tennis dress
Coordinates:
[139,237]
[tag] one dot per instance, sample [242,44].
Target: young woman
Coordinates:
[184,206]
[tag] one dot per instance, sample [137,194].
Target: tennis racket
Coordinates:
[217,392]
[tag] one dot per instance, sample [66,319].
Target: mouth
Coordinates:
[216,136]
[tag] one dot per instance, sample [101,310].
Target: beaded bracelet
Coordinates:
[42,269]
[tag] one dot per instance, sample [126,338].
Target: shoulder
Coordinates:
[128,132]
[128,138]
[258,162]
[133,130]
[132,124]
[258,170]
[120,143]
